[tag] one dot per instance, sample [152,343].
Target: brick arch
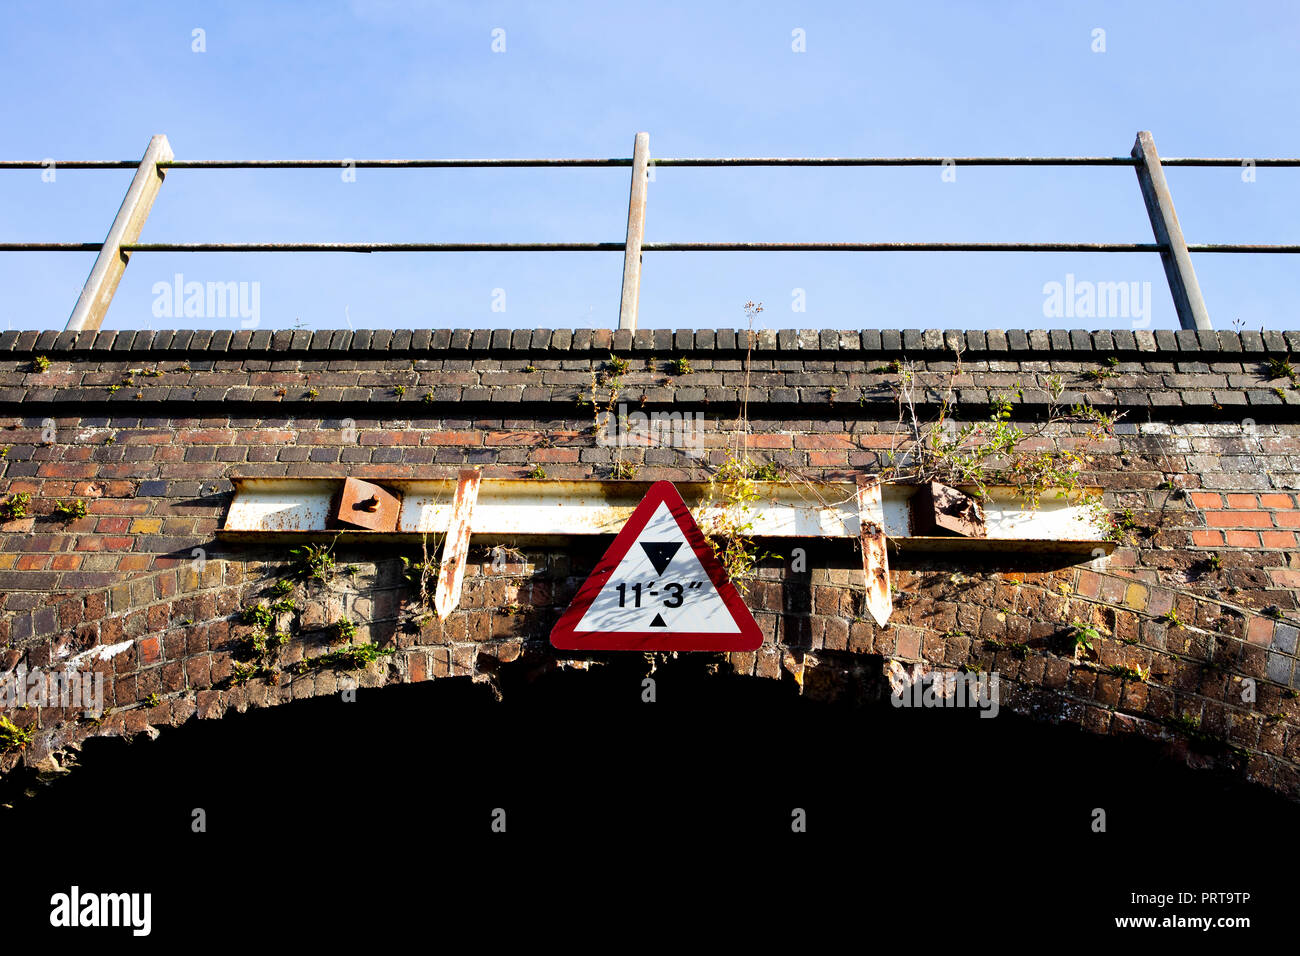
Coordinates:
[138,637]
[1204,457]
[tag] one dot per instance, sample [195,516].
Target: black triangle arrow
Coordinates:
[661,553]
[658,621]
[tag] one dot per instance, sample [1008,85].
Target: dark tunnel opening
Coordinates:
[691,796]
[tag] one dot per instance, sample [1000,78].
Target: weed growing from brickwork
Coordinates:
[70,510]
[40,363]
[13,737]
[1280,368]
[1085,637]
[1139,674]
[15,506]
[314,562]
[602,410]
[728,521]
[980,454]
[352,657]
[1120,525]
[344,629]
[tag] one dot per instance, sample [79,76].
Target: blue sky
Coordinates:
[403,78]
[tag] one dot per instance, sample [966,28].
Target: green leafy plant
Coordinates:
[399,390]
[729,519]
[281,587]
[15,506]
[623,469]
[1139,674]
[428,398]
[40,363]
[537,471]
[1120,525]
[312,394]
[13,737]
[345,629]
[617,366]
[259,616]
[1280,368]
[352,657]
[1171,618]
[979,454]
[1085,637]
[313,562]
[244,671]
[70,510]
[679,366]
[153,700]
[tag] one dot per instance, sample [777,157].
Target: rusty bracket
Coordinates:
[875,553]
[364,504]
[939,509]
[455,549]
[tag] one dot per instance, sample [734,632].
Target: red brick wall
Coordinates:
[152,460]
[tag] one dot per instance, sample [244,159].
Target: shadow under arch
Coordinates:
[693,792]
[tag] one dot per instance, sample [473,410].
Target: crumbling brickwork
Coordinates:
[147,428]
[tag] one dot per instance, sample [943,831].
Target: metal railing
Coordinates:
[122,240]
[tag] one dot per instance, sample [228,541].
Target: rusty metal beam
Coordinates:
[97,294]
[455,548]
[538,510]
[875,553]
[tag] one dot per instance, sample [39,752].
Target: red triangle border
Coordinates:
[749,638]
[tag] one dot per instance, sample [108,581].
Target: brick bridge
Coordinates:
[148,427]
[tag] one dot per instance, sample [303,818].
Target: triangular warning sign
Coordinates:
[658,588]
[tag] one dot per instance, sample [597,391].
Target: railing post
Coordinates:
[635,233]
[97,293]
[1192,313]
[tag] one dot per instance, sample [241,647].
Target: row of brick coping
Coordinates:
[972,341]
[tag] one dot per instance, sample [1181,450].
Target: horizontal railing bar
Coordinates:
[51,246]
[384,163]
[900,161]
[374,247]
[69,164]
[666,161]
[1241,247]
[902,247]
[648,246]
[1226,161]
